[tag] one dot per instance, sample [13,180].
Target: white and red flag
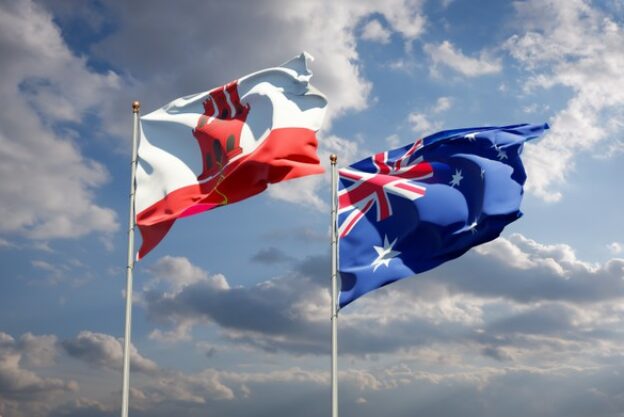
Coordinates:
[221,146]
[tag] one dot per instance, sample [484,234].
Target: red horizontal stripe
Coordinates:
[285,154]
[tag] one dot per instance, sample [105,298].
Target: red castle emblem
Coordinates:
[219,129]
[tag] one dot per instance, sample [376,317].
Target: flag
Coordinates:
[411,209]
[224,145]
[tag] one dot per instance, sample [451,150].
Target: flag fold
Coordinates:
[411,209]
[224,145]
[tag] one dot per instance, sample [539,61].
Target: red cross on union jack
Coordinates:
[371,189]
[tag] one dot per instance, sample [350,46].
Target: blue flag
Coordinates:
[411,209]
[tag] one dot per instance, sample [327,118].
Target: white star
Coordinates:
[457,177]
[384,254]
[471,136]
[501,154]
[473,227]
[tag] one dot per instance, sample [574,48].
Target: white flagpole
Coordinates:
[334,290]
[125,389]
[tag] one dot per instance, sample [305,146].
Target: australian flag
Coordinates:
[411,209]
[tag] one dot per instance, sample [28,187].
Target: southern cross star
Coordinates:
[471,136]
[457,177]
[384,254]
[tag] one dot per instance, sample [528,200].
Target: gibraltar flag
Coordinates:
[224,145]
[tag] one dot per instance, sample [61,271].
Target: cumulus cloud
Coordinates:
[22,391]
[587,62]
[54,273]
[422,124]
[374,31]
[514,309]
[105,351]
[425,123]
[176,272]
[326,30]
[51,192]
[38,351]
[447,55]
[443,104]
[266,315]
[505,299]
[270,255]
[524,270]
[615,247]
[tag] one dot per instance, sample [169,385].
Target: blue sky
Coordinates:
[232,308]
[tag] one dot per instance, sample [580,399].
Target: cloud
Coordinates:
[269,256]
[72,271]
[420,123]
[84,407]
[524,270]
[393,141]
[5,244]
[286,313]
[22,390]
[265,316]
[51,191]
[447,55]
[375,32]
[507,299]
[443,104]
[615,247]
[587,62]
[424,123]
[514,309]
[326,30]
[178,272]
[105,351]
[38,351]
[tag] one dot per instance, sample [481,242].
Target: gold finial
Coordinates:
[333,158]
[136,105]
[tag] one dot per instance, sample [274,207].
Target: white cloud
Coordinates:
[39,351]
[178,272]
[180,333]
[48,186]
[6,244]
[18,383]
[447,55]
[615,247]
[393,141]
[589,63]
[420,123]
[105,351]
[374,31]
[424,123]
[325,29]
[443,104]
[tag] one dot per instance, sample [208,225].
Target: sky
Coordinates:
[231,310]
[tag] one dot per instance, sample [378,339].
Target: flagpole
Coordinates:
[334,290]
[125,389]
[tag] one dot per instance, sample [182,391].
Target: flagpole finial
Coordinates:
[333,158]
[136,105]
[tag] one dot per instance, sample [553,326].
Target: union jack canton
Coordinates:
[371,189]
